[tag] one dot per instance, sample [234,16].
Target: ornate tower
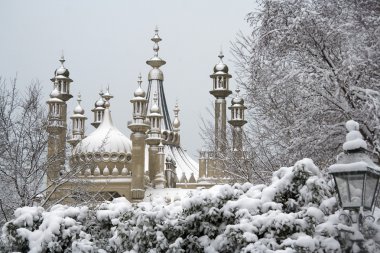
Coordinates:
[57,120]
[98,111]
[169,131]
[139,127]
[220,91]
[237,122]
[78,123]
[154,138]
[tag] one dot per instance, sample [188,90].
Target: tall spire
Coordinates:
[156,61]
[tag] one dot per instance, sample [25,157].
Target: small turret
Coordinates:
[98,110]
[220,79]
[55,115]
[154,135]
[62,80]
[154,138]
[139,103]
[78,123]
[237,120]
[139,127]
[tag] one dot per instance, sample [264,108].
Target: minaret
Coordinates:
[78,123]
[98,111]
[55,143]
[220,91]
[237,122]
[57,127]
[154,138]
[139,127]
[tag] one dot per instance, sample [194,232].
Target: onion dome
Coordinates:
[155,109]
[106,141]
[55,92]
[55,96]
[100,101]
[237,99]
[139,92]
[221,67]
[78,109]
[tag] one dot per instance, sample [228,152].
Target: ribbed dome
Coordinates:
[62,71]
[55,93]
[139,92]
[155,108]
[237,100]
[99,103]
[221,67]
[78,109]
[105,139]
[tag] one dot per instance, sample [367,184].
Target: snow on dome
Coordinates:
[62,71]
[106,138]
[99,103]
[354,139]
[221,66]
[55,93]
[78,109]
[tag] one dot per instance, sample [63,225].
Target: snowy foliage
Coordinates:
[297,212]
[308,67]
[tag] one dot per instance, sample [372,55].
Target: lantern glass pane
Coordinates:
[342,185]
[370,190]
[350,189]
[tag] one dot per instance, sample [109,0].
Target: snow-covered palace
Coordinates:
[108,162]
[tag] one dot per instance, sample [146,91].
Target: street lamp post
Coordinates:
[356,179]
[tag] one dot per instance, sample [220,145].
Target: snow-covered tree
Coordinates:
[307,67]
[296,212]
[23,144]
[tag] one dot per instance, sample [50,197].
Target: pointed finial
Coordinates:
[221,55]
[62,59]
[156,38]
[237,91]
[176,108]
[79,98]
[107,96]
[139,81]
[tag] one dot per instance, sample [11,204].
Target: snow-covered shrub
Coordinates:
[297,212]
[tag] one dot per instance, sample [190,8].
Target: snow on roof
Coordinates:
[106,138]
[185,164]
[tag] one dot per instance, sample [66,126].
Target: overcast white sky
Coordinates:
[108,42]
